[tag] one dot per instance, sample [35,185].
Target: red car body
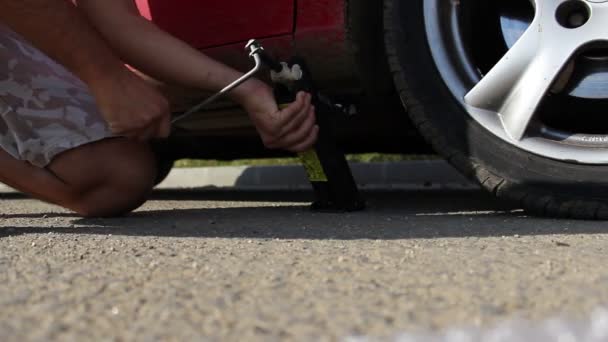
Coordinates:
[316,28]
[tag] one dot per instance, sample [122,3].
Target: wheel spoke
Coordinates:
[516,85]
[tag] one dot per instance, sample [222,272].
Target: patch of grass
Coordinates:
[360,158]
[239,162]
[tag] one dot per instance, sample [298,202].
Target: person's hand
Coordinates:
[292,128]
[131,107]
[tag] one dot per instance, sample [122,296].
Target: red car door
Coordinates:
[213,23]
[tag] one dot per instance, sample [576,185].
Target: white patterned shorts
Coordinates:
[44,109]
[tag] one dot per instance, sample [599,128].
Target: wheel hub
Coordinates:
[554,47]
[590,79]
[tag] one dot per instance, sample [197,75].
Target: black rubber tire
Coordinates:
[540,185]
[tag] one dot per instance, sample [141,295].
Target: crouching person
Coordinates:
[76,123]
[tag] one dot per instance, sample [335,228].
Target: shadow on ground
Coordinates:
[264,215]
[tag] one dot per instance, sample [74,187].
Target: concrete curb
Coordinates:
[410,175]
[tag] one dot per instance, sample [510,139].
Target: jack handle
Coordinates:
[259,56]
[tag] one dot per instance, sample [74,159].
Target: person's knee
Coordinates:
[111,200]
[124,186]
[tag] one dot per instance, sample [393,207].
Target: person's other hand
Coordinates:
[292,128]
[131,107]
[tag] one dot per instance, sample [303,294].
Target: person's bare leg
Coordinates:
[106,178]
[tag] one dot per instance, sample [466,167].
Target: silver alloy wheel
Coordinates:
[505,100]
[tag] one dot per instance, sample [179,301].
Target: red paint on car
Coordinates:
[314,29]
[322,38]
[214,23]
[320,15]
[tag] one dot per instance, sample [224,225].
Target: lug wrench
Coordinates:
[255,52]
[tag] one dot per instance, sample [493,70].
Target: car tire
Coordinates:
[540,185]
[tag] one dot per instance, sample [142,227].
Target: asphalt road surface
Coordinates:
[258,266]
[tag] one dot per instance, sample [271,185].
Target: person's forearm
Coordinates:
[153,51]
[58,29]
